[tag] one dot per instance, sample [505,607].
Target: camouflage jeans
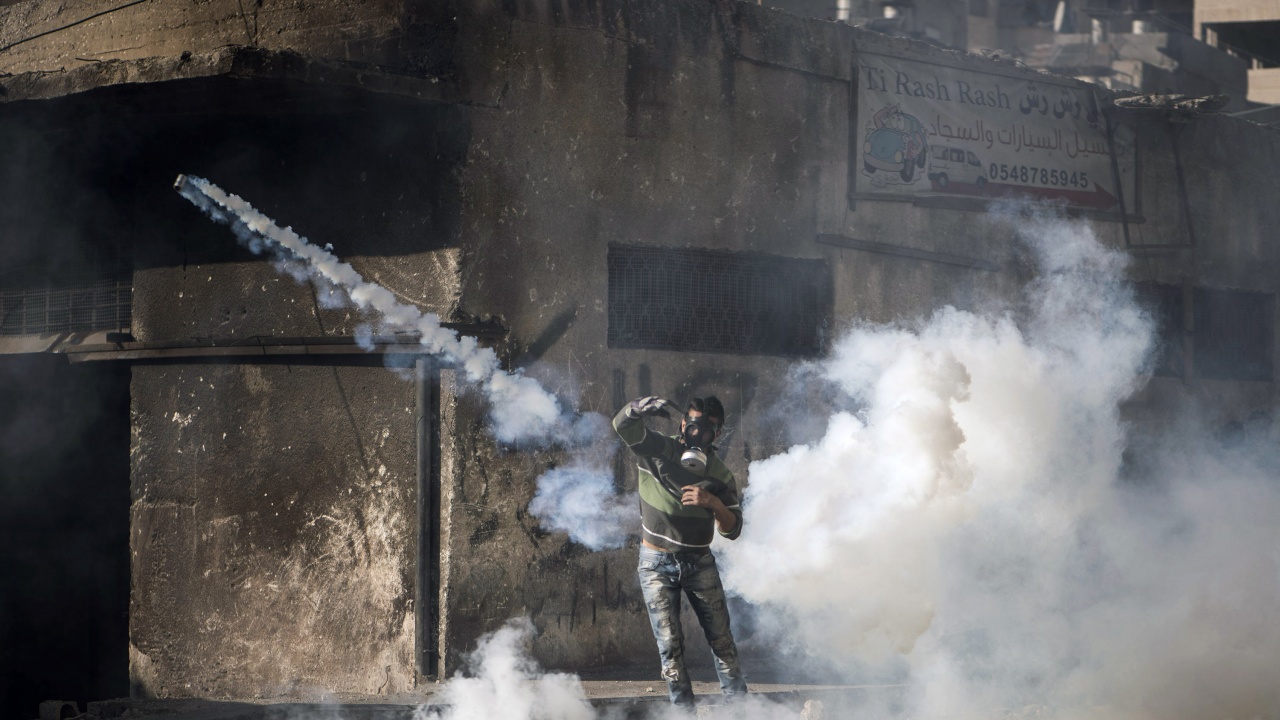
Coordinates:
[663,576]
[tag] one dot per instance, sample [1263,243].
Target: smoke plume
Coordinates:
[574,500]
[577,499]
[969,514]
[502,682]
[506,684]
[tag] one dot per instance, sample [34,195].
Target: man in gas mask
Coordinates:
[686,493]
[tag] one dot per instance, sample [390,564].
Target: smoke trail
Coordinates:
[578,501]
[971,519]
[520,408]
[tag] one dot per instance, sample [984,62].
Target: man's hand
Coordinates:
[647,406]
[698,497]
[694,495]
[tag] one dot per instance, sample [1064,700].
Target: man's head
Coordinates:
[699,429]
[709,412]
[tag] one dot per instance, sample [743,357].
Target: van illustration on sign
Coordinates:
[952,164]
[896,143]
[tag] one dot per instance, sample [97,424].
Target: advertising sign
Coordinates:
[927,130]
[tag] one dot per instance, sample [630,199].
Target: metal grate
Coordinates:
[709,301]
[1233,333]
[74,304]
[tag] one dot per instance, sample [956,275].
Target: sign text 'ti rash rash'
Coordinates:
[959,91]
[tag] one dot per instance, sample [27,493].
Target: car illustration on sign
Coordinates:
[951,164]
[896,144]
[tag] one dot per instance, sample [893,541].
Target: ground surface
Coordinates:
[629,697]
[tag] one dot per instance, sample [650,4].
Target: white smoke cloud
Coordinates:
[575,500]
[579,498]
[971,519]
[504,683]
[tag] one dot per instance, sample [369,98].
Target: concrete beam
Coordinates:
[236,62]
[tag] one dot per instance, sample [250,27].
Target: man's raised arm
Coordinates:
[629,422]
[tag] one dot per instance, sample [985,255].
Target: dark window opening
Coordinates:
[1233,334]
[1164,303]
[711,301]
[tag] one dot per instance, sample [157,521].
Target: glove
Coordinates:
[647,406]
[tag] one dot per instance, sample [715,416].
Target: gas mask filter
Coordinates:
[699,432]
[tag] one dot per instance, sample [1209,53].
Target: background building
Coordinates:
[1166,47]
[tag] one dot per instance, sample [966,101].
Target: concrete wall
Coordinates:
[57,37]
[1222,238]
[1264,85]
[680,124]
[273,530]
[1216,11]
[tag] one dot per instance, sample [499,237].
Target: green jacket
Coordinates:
[666,522]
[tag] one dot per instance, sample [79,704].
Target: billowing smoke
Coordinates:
[504,683]
[578,498]
[574,500]
[970,515]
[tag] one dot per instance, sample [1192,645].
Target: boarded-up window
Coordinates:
[1164,303]
[1233,334]
[709,301]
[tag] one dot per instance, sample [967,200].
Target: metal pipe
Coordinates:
[426,588]
[265,345]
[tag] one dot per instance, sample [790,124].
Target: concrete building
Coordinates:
[304,519]
[1145,47]
[1249,30]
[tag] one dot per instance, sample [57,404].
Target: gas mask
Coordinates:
[698,435]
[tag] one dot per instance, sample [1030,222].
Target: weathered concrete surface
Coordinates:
[273,530]
[1264,85]
[233,61]
[57,37]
